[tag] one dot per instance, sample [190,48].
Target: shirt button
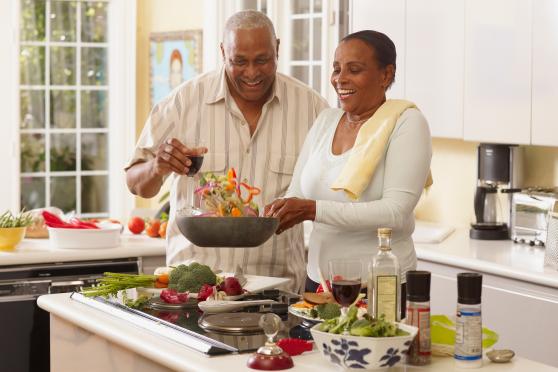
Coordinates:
[247,151]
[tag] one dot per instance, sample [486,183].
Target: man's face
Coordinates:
[250,63]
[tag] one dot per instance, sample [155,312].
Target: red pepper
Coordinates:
[251,192]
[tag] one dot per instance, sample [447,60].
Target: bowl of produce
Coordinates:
[229,216]
[12,229]
[351,342]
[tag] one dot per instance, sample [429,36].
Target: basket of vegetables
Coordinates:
[12,229]
[354,341]
[230,215]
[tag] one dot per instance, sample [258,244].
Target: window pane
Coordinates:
[62,65]
[263,6]
[62,152]
[317,83]
[94,151]
[94,196]
[317,6]
[300,73]
[317,39]
[94,21]
[63,109]
[32,153]
[300,6]
[32,109]
[94,109]
[32,192]
[93,66]
[32,20]
[301,34]
[63,20]
[32,65]
[63,193]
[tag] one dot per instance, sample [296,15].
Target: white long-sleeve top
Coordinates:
[348,229]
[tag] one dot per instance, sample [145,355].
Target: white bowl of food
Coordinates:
[351,352]
[106,236]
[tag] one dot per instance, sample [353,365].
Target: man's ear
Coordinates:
[277,48]
[389,75]
[222,51]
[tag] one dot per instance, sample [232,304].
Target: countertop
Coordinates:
[499,257]
[32,251]
[178,357]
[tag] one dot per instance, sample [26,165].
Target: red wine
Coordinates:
[345,292]
[197,162]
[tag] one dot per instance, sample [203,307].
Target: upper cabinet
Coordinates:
[388,18]
[480,70]
[497,95]
[434,68]
[544,125]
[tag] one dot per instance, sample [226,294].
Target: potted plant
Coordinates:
[12,229]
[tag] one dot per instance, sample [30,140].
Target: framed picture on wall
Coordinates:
[174,57]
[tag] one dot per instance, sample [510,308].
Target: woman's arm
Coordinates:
[406,169]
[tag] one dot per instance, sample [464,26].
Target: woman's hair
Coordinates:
[384,48]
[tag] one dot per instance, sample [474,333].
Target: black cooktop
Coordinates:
[212,334]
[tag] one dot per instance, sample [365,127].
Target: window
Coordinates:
[74,106]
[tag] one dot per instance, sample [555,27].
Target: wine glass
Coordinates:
[192,203]
[345,276]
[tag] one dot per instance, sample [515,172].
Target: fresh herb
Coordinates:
[22,219]
[138,303]
[111,283]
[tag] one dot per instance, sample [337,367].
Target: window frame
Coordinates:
[121,113]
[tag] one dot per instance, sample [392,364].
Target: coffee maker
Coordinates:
[499,174]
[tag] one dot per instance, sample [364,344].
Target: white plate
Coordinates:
[300,314]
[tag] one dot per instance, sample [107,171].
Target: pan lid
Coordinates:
[240,322]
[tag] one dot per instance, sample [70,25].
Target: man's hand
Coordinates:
[291,211]
[172,156]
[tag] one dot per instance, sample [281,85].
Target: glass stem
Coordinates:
[190,185]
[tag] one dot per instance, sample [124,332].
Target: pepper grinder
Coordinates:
[270,357]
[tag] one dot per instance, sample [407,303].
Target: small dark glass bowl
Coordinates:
[237,232]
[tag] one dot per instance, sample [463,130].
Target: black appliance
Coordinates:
[211,334]
[499,174]
[25,328]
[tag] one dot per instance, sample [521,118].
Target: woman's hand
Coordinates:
[291,211]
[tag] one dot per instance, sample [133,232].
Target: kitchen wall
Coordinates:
[450,199]
[158,16]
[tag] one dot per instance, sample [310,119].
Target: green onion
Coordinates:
[22,219]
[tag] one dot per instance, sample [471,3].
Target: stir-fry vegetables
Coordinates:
[227,196]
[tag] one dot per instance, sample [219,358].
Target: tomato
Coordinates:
[136,225]
[152,228]
[163,229]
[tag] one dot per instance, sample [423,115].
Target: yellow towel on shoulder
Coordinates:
[369,147]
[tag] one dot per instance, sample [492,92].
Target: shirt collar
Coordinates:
[219,90]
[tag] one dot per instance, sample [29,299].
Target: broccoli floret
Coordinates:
[190,278]
[313,313]
[187,283]
[328,311]
[202,275]
[175,275]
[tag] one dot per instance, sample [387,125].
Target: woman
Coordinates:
[363,69]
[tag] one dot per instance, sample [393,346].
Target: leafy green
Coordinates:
[327,311]
[22,219]
[111,283]
[367,326]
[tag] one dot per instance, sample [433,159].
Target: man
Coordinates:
[251,118]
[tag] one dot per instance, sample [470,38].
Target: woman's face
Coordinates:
[357,78]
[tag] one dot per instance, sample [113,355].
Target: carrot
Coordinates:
[235,212]
[158,284]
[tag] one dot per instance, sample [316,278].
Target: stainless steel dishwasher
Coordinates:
[25,328]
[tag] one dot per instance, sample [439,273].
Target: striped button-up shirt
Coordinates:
[202,109]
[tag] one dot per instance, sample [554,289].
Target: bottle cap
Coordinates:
[469,288]
[384,232]
[418,286]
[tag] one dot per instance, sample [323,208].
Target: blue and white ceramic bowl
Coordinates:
[357,352]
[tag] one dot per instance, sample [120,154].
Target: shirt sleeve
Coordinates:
[160,125]
[407,165]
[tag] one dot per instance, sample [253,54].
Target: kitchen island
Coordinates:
[520,294]
[86,339]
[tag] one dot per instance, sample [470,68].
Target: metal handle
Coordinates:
[78,265]
[70,282]
[18,298]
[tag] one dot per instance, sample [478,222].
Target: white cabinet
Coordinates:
[544,124]
[387,17]
[523,314]
[434,63]
[497,94]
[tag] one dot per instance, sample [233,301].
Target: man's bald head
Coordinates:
[247,20]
